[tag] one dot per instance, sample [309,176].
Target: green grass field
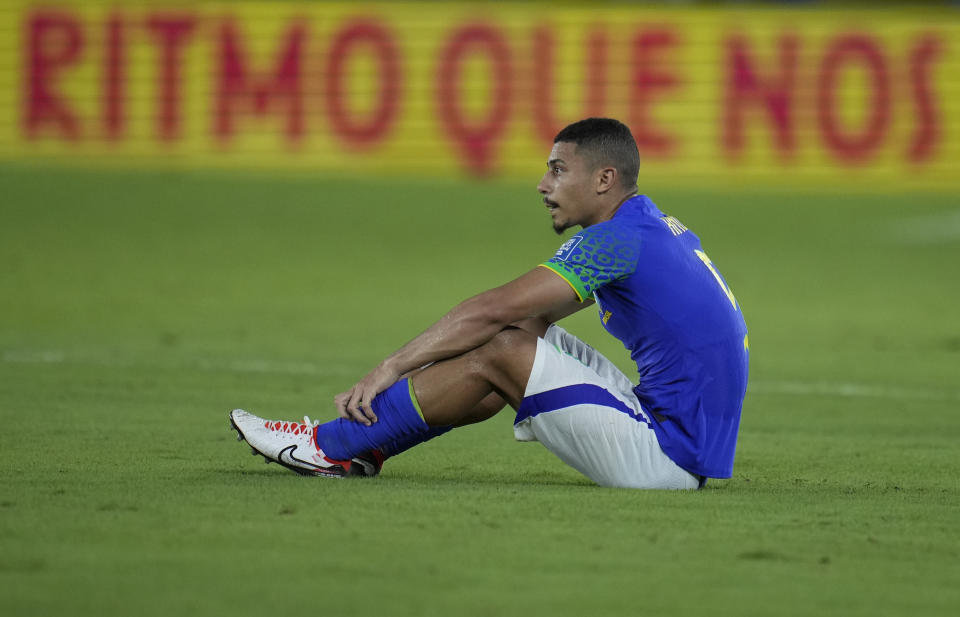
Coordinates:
[137,309]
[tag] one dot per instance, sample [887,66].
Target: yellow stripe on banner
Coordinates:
[715,97]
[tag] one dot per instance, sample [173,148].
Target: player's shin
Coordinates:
[403,444]
[400,426]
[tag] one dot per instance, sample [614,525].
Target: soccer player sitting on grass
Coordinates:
[655,290]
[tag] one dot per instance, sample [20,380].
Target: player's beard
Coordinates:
[561,226]
[553,206]
[558,225]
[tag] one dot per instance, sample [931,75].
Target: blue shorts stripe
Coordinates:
[568,396]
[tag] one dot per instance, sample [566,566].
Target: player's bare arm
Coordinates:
[537,297]
[538,325]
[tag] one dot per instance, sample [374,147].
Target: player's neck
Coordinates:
[608,211]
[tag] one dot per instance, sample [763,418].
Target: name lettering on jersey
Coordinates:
[606,317]
[568,247]
[674,225]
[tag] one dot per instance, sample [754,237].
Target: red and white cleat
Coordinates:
[293,445]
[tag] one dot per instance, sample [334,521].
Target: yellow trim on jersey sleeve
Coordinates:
[570,278]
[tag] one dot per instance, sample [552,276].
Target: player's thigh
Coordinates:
[609,447]
[593,425]
[572,345]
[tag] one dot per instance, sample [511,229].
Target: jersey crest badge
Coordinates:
[564,252]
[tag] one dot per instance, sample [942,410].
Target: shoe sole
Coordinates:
[297,470]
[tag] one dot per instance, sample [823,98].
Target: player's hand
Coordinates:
[355,403]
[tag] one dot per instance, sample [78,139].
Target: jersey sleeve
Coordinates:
[595,257]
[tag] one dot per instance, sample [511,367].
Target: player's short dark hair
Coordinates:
[605,142]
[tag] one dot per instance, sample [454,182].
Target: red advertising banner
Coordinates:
[869,98]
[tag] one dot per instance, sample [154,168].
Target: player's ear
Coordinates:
[606,179]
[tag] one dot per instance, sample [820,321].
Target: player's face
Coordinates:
[567,187]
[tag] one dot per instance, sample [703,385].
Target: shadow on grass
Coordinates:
[458,477]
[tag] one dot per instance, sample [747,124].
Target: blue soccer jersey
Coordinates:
[662,297]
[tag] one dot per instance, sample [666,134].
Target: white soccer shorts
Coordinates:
[582,408]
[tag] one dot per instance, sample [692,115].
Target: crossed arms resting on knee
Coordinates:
[530,302]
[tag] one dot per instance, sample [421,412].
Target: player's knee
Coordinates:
[505,362]
[505,354]
[508,344]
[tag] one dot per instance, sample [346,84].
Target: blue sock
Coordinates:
[399,426]
[403,444]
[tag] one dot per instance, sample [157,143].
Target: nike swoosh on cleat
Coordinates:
[290,463]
